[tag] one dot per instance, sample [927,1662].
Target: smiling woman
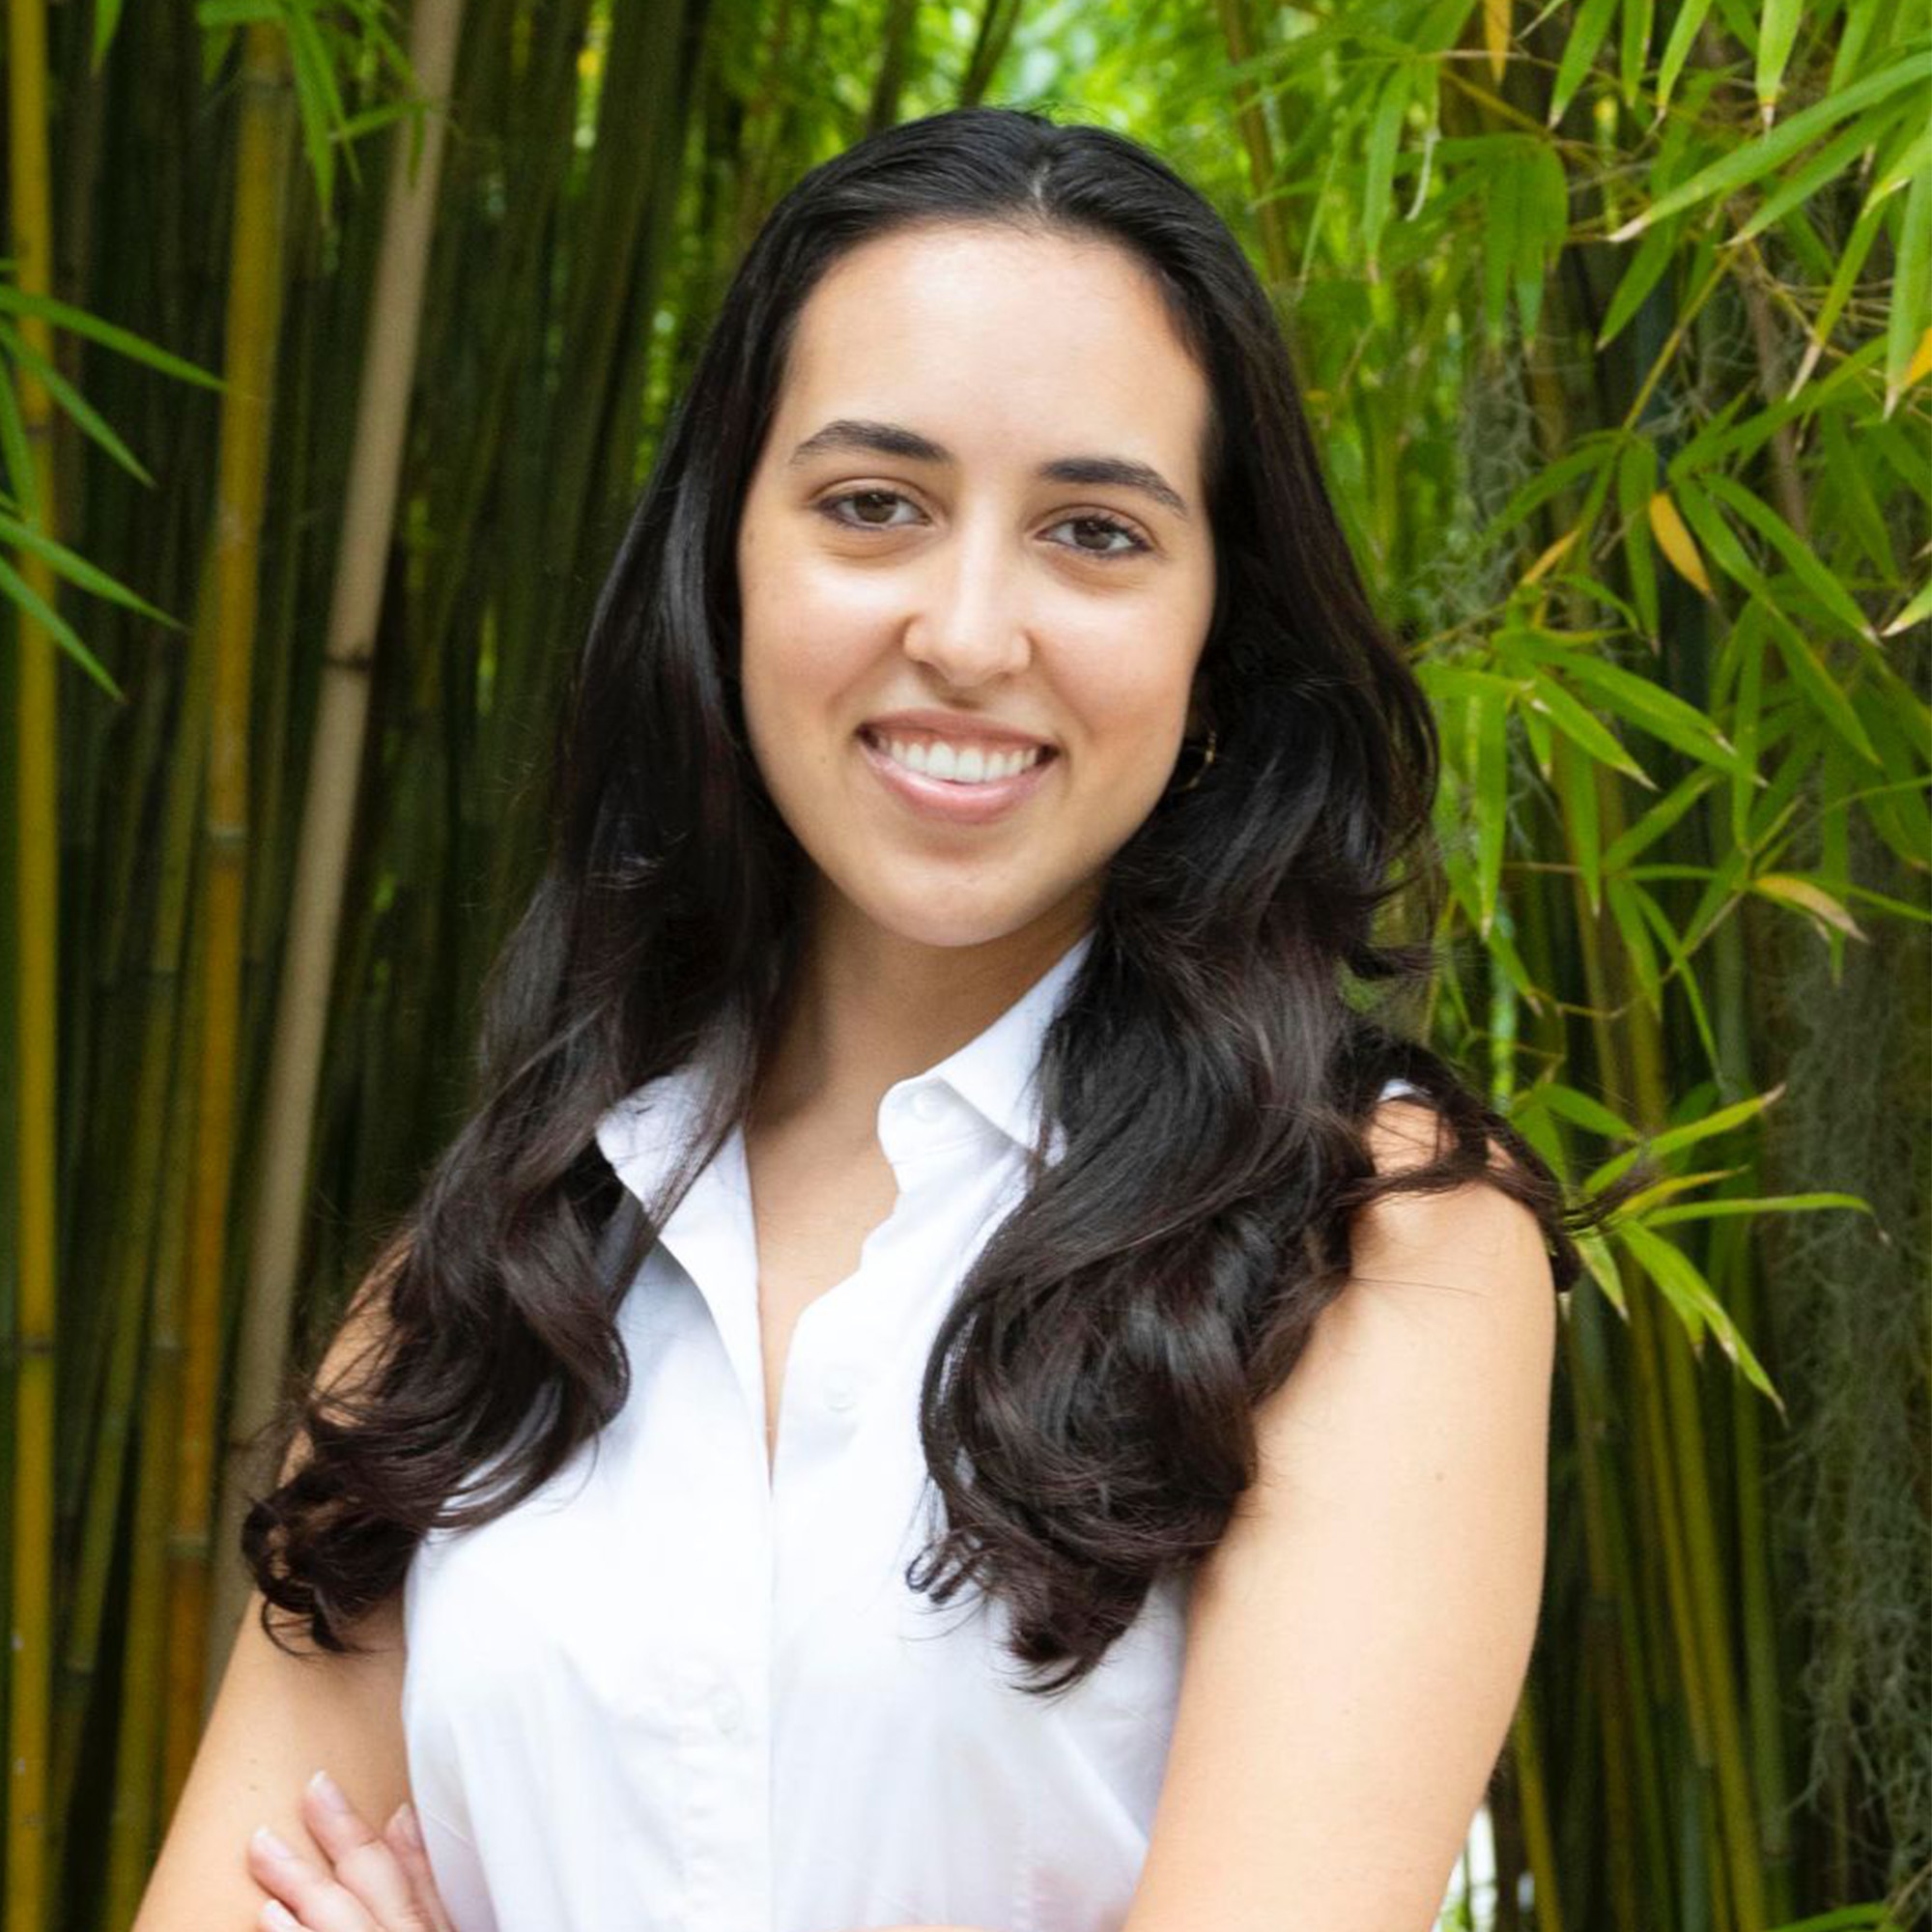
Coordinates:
[940,1142]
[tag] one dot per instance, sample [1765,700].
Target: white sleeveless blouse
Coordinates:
[671,1692]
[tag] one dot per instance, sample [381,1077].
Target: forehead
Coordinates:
[995,342]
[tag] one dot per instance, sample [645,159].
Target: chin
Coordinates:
[941,913]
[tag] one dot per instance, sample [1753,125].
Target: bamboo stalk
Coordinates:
[36,934]
[323,843]
[140,1803]
[253,322]
[1251,123]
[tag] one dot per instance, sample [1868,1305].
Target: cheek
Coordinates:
[801,648]
[1129,693]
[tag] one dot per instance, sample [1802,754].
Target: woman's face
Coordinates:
[979,502]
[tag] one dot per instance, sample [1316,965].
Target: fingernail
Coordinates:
[326,1788]
[278,1915]
[405,1823]
[272,1844]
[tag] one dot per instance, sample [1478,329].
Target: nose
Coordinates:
[969,620]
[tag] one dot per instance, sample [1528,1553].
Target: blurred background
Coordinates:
[337,339]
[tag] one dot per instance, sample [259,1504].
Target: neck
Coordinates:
[869,1008]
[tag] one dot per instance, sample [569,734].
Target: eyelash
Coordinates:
[1113,525]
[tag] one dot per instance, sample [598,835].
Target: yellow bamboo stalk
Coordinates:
[29,1654]
[253,324]
[1539,1842]
[328,811]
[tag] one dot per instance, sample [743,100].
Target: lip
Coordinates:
[950,802]
[956,728]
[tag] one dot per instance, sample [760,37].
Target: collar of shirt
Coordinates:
[989,1081]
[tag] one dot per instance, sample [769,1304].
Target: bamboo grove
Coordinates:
[323,409]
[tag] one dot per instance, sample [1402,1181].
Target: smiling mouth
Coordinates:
[928,757]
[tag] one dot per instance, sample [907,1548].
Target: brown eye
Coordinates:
[826,508]
[1110,527]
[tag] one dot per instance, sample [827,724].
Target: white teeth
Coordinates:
[970,766]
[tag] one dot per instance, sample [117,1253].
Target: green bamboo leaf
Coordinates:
[1593,23]
[1582,1110]
[1748,637]
[1636,700]
[1854,32]
[1777,30]
[1849,501]
[1652,708]
[19,455]
[1795,550]
[1538,736]
[1809,669]
[1379,173]
[1844,278]
[1636,484]
[1897,809]
[1489,720]
[1654,254]
[56,626]
[1848,1918]
[1677,51]
[1502,951]
[1911,313]
[1683,1285]
[1576,780]
[1674,1139]
[1898,908]
[1589,456]
[1824,167]
[1643,831]
[1679,955]
[1541,232]
[1634,50]
[1801,661]
[1601,1264]
[17,302]
[1759,1203]
[74,403]
[1577,724]
[1758,157]
[317,105]
[1911,160]
[76,569]
[1641,1205]
[1627,913]
[1918,609]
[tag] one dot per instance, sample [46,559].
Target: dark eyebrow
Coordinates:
[848,433]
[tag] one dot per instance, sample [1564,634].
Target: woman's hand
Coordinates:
[377,1884]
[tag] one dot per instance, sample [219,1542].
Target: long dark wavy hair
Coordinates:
[1087,1412]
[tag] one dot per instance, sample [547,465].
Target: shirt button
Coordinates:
[726,1707]
[929,1103]
[840,1392]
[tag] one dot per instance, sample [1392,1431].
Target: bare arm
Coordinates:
[1358,1640]
[277,1718]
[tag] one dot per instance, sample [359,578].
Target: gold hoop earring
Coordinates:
[1206,760]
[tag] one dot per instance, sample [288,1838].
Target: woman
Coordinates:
[931,1106]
